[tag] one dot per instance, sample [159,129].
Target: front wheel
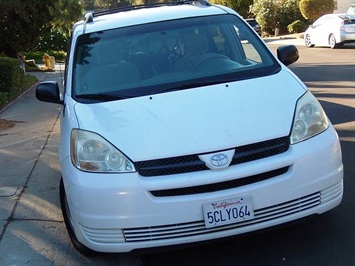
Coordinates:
[332,41]
[307,41]
[69,223]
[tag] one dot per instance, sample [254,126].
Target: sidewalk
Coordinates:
[29,214]
[32,231]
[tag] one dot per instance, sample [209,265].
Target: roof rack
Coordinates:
[89,16]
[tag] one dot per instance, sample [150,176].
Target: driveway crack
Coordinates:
[24,187]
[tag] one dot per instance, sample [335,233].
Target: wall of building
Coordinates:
[342,5]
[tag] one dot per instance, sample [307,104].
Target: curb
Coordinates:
[285,37]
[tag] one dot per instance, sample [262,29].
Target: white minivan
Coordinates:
[179,125]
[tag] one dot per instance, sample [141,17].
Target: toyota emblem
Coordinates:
[219,160]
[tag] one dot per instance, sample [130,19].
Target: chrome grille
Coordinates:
[103,236]
[192,163]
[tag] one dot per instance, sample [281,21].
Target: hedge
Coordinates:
[297,27]
[313,9]
[13,81]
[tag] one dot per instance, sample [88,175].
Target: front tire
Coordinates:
[308,42]
[332,41]
[69,224]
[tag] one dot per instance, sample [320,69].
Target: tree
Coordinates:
[69,12]
[288,13]
[266,12]
[272,14]
[313,9]
[104,4]
[240,6]
[22,22]
[88,4]
[52,41]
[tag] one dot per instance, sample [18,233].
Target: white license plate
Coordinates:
[228,211]
[350,28]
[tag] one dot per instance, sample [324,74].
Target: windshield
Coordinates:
[169,55]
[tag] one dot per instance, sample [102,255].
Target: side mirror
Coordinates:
[287,54]
[48,91]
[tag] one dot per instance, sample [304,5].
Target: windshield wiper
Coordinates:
[184,86]
[102,97]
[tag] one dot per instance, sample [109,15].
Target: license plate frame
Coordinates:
[228,211]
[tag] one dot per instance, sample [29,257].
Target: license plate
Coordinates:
[228,211]
[350,28]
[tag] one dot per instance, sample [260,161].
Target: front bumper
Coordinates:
[117,213]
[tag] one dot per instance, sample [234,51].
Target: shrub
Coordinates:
[265,11]
[13,81]
[11,75]
[313,9]
[53,41]
[240,6]
[297,27]
[272,14]
[289,12]
[3,99]
[59,55]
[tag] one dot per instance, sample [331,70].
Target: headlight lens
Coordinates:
[90,152]
[310,119]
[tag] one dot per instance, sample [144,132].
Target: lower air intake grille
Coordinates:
[219,186]
[198,228]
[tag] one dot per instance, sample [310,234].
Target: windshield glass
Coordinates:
[351,10]
[169,55]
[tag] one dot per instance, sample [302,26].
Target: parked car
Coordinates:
[332,30]
[175,129]
[255,25]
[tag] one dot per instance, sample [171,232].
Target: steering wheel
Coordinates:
[210,57]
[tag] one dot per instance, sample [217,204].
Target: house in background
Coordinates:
[341,6]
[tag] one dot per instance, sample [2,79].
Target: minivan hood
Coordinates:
[196,121]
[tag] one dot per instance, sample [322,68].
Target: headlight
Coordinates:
[90,152]
[309,120]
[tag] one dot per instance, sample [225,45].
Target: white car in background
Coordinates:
[332,30]
[179,125]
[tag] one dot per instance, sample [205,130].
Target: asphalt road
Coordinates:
[32,228]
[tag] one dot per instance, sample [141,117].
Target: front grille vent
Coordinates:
[219,186]
[192,163]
